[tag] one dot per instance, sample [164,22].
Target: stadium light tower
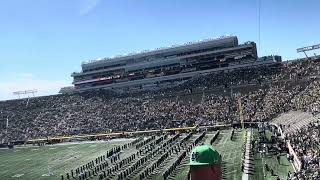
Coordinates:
[25,92]
[308,48]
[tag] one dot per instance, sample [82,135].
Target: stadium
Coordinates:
[149,132]
[207,109]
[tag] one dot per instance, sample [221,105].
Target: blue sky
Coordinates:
[42,41]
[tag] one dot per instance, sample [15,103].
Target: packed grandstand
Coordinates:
[264,92]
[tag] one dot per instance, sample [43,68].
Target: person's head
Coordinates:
[205,163]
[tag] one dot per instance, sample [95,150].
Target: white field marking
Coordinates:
[264,173]
[28,159]
[18,175]
[69,143]
[34,149]
[52,148]
[230,172]
[46,175]
[18,147]
[93,146]
[225,141]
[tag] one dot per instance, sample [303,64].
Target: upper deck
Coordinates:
[172,51]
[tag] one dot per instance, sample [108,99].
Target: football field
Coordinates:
[50,161]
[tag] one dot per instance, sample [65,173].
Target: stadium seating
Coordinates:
[263,93]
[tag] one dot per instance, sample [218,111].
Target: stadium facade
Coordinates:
[165,66]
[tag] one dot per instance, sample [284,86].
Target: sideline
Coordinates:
[126,133]
[246,169]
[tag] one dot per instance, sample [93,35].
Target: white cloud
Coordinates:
[44,87]
[87,6]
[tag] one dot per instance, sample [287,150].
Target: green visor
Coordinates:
[204,155]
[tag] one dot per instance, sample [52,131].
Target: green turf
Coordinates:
[280,170]
[231,155]
[32,162]
[231,151]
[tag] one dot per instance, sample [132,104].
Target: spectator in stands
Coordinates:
[255,94]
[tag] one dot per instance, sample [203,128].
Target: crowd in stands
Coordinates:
[306,144]
[256,94]
[214,99]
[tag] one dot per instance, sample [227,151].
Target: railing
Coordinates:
[296,162]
